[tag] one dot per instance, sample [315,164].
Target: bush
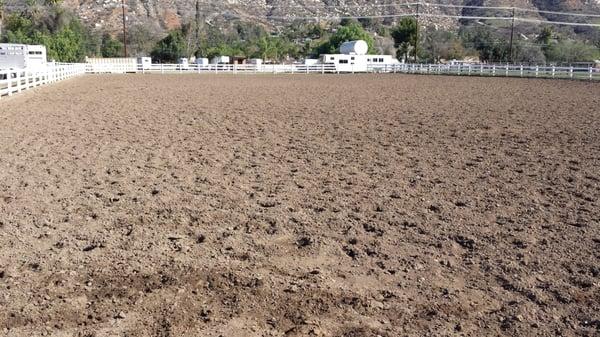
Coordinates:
[170,49]
[111,47]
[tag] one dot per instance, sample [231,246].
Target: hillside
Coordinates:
[162,15]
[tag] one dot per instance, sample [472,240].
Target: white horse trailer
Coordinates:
[21,56]
[144,63]
[220,60]
[202,61]
[354,58]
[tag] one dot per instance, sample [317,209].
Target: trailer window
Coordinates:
[381,60]
[343,61]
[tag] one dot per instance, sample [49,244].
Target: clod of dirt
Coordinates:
[200,238]
[520,244]
[90,247]
[395,195]
[353,241]
[460,204]
[155,191]
[435,208]
[304,241]
[353,253]
[465,242]
[2,274]
[267,203]
[372,229]
[120,315]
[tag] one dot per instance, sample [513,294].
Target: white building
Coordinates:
[21,56]
[354,58]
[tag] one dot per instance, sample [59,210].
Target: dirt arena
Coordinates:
[356,205]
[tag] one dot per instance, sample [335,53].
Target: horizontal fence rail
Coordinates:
[17,80]
[492,70]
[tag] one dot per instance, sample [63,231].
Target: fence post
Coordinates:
[18,81]
[537,71]
[494,70]
[506,74]
[521,70]
[322,68]
[571,72]
[591,71]
[553,71]
[9,78]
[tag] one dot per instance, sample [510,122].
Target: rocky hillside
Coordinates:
[162,15]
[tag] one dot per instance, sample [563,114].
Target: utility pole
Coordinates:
[417,33]
[124,30]
[197,44]
[512,36]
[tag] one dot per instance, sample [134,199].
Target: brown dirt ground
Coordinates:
[300,205]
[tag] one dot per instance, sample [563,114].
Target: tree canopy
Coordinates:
[170,49]
[61,32]
[350,32]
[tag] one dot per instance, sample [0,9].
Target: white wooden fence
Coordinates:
[212,68]
[491,70]
[431,69]
[15,81]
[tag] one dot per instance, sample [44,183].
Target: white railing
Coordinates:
[440,69]
[16,80]
[503,70]
[241,68]
[212,68]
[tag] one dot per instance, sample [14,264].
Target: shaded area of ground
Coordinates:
[300,205]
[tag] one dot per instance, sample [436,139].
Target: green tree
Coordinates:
[111,47]
[568,51]
[67,45]
[61,32]
[141,40]
[2,4]
[351,32]
[171,48]
[405,36]
[490,46]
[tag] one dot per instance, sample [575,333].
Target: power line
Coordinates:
[464,17]
[412,4]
